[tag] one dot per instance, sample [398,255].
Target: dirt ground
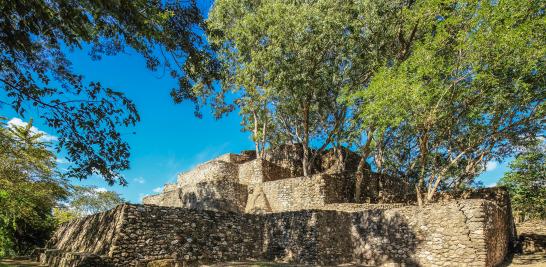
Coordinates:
[18,263]
[517,261]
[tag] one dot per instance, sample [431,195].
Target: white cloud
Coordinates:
[139,180]
[491,185]
[45,138]
[158,189]
[491,165]
[101,189]
[61,160]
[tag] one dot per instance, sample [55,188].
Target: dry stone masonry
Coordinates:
[239,208]
[244,183]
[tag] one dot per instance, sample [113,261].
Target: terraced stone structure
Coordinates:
[239,208]
[246,184]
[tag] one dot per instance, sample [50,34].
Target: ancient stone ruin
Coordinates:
[245,184]
[242,208]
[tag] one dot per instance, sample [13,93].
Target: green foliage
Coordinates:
[83,201]
[526,182]
[429,90]
[88,117]
[470,90]
[87,200]
[62,215]
[28,190]
[292,71]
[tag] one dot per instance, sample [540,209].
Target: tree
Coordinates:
[471,89]
[429,90]
[62,215]
[292,71]
[29,189]
[35,72]
[526,182]
[87,200]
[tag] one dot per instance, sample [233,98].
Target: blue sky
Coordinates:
[168,139]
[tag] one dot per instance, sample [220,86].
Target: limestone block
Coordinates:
[259,170]
[215,170]
[213,195]
[406,235]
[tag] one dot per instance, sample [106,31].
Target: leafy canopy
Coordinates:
[35,72]
[431,90]
[88,200]
[29,189]
[470,90]
[526,182]
[287,63]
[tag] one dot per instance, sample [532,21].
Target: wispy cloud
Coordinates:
[139,180]
[45,136]
[491,165]
[492,185]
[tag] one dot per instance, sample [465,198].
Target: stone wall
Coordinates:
[215,195]
[295,193]
[215,170]
[288,157]
[311,192]
[437,235]
[330,161]
[238,158]
[377,188]
[339,187]
[152,233]
[259,171]
[169,187]
[498,232]
[457,233]
[532,237]
[92,234]
[269,184]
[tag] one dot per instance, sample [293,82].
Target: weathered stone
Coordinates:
[242,183]
[305,237]
[237,207]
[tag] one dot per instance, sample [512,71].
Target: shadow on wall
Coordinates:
[206,198]
[369,237]
[378,238]
[92,234]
